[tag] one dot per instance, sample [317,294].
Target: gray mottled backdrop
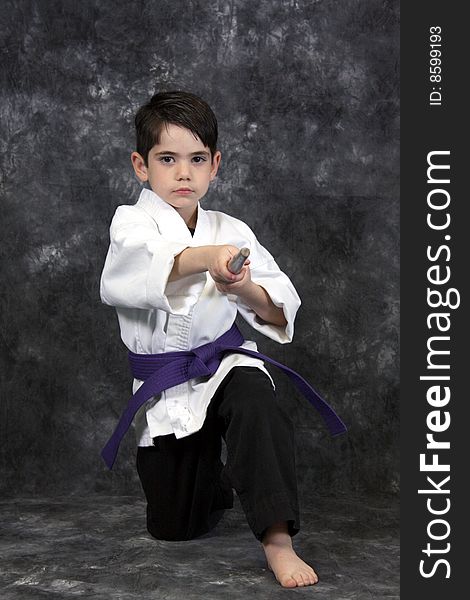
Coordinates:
[306,93]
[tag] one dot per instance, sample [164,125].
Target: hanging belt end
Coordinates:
[109,456]
[337,428]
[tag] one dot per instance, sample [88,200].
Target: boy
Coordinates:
[167,275]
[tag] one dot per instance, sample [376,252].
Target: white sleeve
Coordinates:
[137,267]
[266,273]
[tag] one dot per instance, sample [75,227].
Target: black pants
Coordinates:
[188,487]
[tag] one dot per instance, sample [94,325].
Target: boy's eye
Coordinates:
[166,159]
[199,159]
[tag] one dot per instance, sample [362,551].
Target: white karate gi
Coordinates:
[156,316]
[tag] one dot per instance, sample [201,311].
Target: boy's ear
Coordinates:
[215,164]
[139,166]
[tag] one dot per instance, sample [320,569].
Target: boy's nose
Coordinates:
[183,172]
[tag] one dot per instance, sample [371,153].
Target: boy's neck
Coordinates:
[190,220]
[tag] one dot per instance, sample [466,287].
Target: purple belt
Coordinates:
[162,371]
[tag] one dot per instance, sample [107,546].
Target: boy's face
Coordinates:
[179,169]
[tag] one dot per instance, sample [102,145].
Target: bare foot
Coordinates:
[289,569]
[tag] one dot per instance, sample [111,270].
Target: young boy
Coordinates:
[167,275]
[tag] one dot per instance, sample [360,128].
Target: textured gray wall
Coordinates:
[306,94]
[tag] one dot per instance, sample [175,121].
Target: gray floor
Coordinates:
[98,547]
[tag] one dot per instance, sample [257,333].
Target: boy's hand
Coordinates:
[216,259]
[239,286]
[217,265]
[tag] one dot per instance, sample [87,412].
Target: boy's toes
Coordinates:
[300,579]
[312,577]
[308,578]
[288,581]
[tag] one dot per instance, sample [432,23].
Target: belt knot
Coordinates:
[206,360]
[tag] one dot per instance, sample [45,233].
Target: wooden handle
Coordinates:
[236,263]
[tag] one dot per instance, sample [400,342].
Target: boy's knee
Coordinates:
[254,394]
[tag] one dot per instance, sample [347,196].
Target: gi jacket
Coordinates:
[160,316]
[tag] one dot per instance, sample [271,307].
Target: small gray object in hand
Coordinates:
[236,263]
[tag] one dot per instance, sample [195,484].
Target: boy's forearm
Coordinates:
[212,258]
[196,260]
[190,261]
[259,300]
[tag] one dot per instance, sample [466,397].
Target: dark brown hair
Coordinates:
[178,108]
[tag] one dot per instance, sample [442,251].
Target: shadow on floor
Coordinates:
[98,548]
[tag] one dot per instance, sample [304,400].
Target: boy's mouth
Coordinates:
[183,190]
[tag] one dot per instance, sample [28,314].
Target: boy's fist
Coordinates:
[239,286]
[217,265]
